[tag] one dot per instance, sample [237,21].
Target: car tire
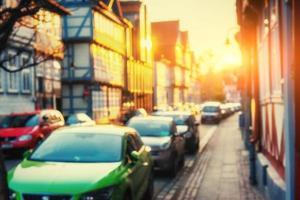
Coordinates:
[193,149]
[182,161]
[198,144]
[150,189]
[174,167]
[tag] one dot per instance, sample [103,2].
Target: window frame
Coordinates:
[16,82]
[2,80]
[27,72]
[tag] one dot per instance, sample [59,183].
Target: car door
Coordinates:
[146,161]
[177,140]
[136,173]
[194,126]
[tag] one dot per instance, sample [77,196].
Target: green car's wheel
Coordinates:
[127,196]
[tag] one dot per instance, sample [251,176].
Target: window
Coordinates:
[137,140]
[132,146]
[1,80]
[13,80]
[275,49]
[25,75]
[115,96]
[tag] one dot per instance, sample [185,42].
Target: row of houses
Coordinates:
[98,57]
[269,38]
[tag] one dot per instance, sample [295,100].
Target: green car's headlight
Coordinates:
[12,195]
[101,194]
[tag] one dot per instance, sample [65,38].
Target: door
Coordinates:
[136,166]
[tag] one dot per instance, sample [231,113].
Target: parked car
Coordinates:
[140,112]
[22,131]
[211,112]
[81,163]
[167,146]
[187,126]
[79,119]
[225,111]
[133,113]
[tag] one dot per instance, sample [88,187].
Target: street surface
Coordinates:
[218,171]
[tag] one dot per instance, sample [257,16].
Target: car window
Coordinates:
[131,141]
[59,147]
[19,121]
[72,119]
[180,119]
[137,140]
[211,109]
[151,128]
[33,121]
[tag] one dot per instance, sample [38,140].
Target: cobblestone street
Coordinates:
[220,170]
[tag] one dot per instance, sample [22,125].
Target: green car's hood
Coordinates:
[62,178]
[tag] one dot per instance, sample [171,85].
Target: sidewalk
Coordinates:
[227,174]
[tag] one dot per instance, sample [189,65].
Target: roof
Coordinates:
[165,36]
[166,32]
[167,113]
[184,36]
[152,118]
[98,129]
[53,6]
[24,113]
[212,103]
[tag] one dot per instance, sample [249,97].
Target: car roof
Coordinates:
[97,129]
[24,113]
[30,113]
[212,103]
[164,113]
[152,118]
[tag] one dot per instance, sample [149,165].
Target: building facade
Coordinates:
[175,64]
[30,47]
[162,83]
[139,67]
[95,58]
[269,39]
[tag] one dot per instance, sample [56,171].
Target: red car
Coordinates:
[22,131]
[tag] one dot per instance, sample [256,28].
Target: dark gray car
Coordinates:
[167,146]
[187,126]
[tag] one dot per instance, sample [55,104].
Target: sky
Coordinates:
[209,22]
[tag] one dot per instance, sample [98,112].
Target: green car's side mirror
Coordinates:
[148,149]
[27,153]
[135,156]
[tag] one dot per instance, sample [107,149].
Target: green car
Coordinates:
[85,163]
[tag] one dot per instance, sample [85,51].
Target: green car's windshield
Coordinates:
[151,128]
[79,147]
